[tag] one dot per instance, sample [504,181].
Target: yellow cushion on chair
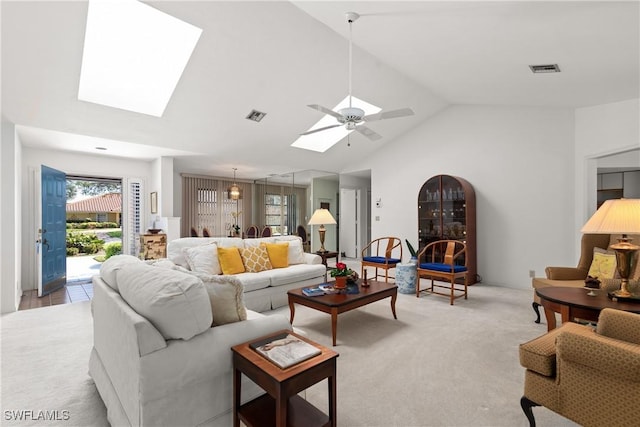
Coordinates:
[603,265]
[230,260]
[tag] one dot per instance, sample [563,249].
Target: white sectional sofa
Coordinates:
[162,337]
[264,290]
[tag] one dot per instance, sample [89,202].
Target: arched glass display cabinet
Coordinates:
[447,210]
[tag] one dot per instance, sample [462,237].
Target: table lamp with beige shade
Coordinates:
[618,216]
[321,217]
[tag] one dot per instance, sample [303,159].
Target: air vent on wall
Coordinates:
[548,68]
[256,115]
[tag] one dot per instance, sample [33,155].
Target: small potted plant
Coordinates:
[342,274]
[412,251]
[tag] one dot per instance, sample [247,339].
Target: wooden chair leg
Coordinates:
[527,406]
[451,298]
[386,275]
[466,284]
[536,308]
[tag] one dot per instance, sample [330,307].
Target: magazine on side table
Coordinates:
[285,350]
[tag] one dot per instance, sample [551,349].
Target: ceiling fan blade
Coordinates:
[402,112]
[368,133]
[320,129]
[325,110]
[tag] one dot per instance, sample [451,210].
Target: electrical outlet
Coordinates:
[532,273]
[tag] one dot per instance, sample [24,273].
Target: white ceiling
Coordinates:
[277,57]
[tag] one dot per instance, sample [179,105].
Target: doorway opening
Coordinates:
[94,225]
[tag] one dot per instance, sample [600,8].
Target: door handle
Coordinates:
[45,242]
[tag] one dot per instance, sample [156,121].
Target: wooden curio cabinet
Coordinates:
[447,210]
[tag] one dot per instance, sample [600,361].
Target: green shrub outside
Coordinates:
[72,251]
[91,225]
[111,249]
[86,243]
[117,234]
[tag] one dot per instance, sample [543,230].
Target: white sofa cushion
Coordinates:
[254,281]
[111,266]
[176,303]
[254,243]
[295,273]
[203,258]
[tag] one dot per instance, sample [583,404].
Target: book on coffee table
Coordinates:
[285,350]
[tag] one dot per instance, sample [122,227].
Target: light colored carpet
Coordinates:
[437,365]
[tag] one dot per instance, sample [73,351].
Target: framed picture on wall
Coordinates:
[154,202]
[324,205]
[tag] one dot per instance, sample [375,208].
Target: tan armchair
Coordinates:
[570,276]
[591,377]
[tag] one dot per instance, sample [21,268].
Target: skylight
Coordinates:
[323,140]
[133,56]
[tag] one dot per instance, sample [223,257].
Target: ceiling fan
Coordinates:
[351,116]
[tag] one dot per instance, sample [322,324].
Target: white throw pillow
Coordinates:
[226,296]
[176,303]
[110,267]
[296,253]
[203,259]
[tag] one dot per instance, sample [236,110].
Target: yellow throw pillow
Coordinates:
[603,265]
[255,259]
[278,254]
[230,260]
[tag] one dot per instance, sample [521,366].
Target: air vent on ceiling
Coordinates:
[256,115]
[548,68]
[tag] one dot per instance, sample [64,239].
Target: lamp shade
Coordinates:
[616,216]
[321,217]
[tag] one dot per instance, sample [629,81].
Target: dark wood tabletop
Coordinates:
[575,303]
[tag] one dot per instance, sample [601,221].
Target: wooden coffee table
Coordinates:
[335,304]
[574,303]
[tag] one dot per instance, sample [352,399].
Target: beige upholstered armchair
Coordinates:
[591,377]
[570,276]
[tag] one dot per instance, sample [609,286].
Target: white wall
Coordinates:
[70,163]
[600,131]
[520,162]
[10,219]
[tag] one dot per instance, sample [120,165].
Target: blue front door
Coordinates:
[53,232]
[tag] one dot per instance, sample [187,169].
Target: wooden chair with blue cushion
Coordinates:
[446,260]
[385,253]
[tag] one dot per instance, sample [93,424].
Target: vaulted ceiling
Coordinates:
[277,57]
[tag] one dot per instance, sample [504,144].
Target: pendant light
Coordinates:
[234,190]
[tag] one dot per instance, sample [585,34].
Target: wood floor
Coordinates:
[69,294]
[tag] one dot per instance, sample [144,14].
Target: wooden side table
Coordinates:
[327,255]
[281,406]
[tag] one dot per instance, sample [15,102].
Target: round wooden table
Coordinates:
[574,303]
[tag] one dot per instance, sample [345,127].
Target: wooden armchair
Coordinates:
[385,253]
[266,231]
[591,377]
[444,259]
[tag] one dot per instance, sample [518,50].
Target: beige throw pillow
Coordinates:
[226,296]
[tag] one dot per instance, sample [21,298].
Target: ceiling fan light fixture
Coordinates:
[349,118]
